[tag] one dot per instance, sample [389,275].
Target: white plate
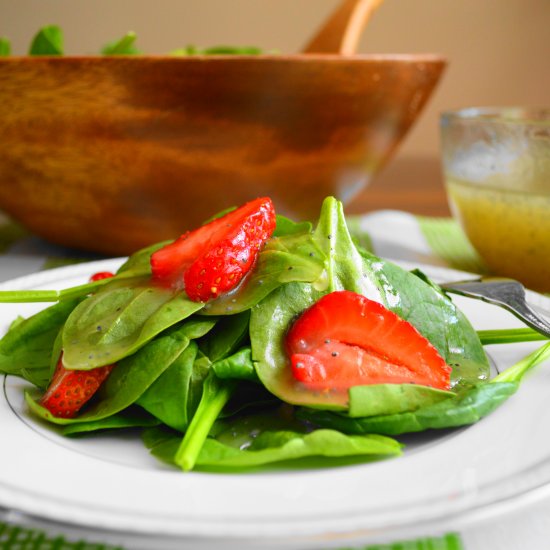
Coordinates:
[114,488]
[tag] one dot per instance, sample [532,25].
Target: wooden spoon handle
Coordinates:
[341,32]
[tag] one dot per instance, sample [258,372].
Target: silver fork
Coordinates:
[506,293]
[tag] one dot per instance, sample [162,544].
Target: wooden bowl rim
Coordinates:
[375,58]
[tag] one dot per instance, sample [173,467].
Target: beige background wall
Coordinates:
[499,50]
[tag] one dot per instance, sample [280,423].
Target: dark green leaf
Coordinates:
[271,319]
[132,417]
[48,41]
[27,349]
[226,336]
[249,396]
[5,46]
[175,394]
[238,366]
[466,408]
[133,375]
[57,348]
[429,309]
[174,397]
[118,320]
[413,299]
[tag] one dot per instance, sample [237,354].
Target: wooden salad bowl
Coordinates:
[109,154]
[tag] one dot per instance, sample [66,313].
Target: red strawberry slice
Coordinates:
[214,258]
[100,275]
[69,390]
[347,340]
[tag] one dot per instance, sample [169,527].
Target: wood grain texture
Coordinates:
[112,154]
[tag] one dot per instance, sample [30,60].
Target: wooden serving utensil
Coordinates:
[341,32]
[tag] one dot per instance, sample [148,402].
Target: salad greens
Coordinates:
[49,40]
[5,46]
[210,383]
[122,46]
[348,267]
[465,407]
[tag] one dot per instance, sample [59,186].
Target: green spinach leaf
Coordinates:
[217,50]
[467,407]
[238,366]
[285,226]
[133,417]
[226,336]
[431,311]
[258,441]
[378,399]
[269,447]
[175,394]
[118,320]
[48,41]
[28,348]
[294,257]
[123,46]
[133,375]
[5,46]
[346,267]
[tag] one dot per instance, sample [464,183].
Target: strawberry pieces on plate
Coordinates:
[69,390]
[347,340]
[214,258]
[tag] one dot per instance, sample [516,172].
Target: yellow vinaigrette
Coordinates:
[510,229]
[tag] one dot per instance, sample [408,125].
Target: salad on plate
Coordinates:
[255,341]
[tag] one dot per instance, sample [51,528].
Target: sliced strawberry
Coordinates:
[69,390]
[214,258]
[101,275]
[347,340]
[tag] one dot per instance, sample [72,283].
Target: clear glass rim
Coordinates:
[514,116]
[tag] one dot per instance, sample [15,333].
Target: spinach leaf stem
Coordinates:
[509,336]
[517,371]
[216,393]
[28,296]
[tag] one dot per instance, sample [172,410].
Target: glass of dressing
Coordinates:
[496,163]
